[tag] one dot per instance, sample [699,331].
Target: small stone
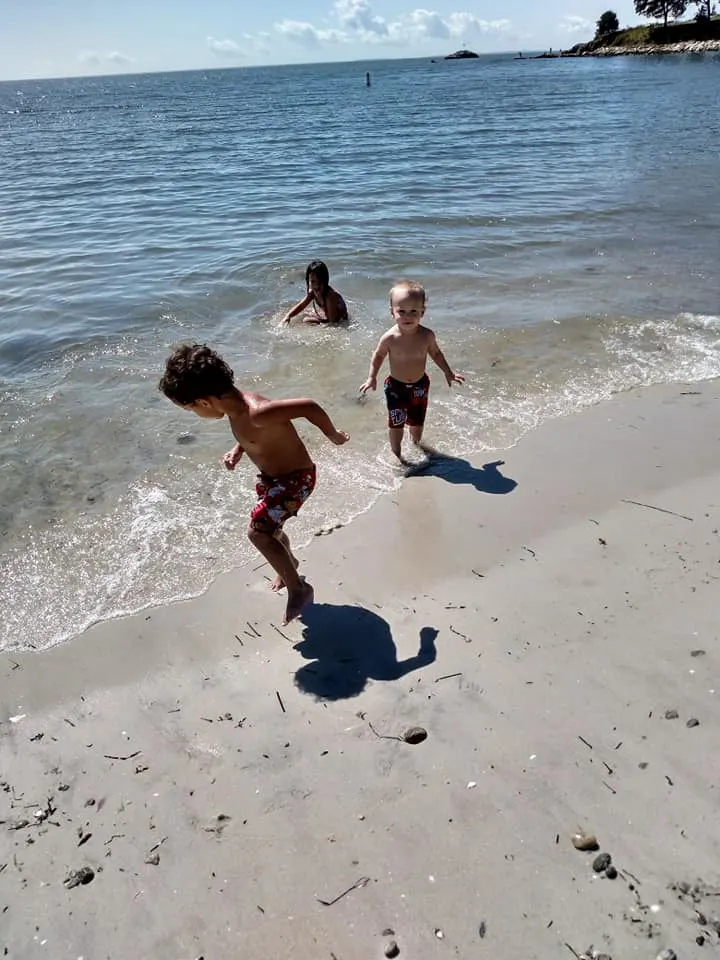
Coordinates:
[153,859]
[90,802]
[388,932]
[185,438]
[611,873]
[63,787]
[643,765]
[584,841]
[697,653]
[693,722]
[700,940]
[415,735]
[666,954]
[601,862]
[392,949]
[671,714]
[77,877]
[438,933]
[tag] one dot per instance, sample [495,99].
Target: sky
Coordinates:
[61,38]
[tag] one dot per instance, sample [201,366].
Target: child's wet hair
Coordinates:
[409,287]
[194,372]
[318,269]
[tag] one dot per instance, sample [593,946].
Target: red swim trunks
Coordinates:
[280,498]
[407,402]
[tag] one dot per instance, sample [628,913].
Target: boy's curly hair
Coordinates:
[194,372]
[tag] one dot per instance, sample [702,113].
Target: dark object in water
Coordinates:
[462,55]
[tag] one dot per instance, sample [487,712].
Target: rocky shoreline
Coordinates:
[654,49]
[639,49]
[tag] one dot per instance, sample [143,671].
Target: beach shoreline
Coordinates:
[226,779]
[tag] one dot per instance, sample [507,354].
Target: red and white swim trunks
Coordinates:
[280,498]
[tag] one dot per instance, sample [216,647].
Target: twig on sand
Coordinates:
[384,736]
[448,676]
[481,575]
[605,784]
[588,745]
[283,635]
[130,756]
[282,705]
[458,634]
[659,509]
[253,629]
[239,640]
[115,836]
[531,552]
[573,951]
[363,881]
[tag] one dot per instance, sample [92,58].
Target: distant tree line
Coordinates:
[656,9]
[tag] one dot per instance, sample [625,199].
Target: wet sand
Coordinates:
[227,787]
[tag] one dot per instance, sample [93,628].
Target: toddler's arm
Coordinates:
[381,351]
[298,308]
[439,358]
[281,411]
[232,457]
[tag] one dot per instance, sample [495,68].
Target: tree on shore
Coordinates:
[705,9]
[608,23]
[661,9]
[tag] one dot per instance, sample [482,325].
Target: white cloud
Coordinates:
[305,33]
[225,48]
[358,22]
[111,58]
[576,25]
[357,17]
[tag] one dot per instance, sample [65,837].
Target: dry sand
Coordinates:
[227,788]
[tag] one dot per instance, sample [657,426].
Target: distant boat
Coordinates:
[462,55]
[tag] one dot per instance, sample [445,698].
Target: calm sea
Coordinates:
[564,216]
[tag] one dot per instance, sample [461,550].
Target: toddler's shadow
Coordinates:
[485,479]
[350,645]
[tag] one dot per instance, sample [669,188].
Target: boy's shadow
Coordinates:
[350,645]
[485,479]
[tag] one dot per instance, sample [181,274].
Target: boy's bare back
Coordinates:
[269,439]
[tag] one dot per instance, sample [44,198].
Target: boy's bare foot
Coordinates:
[278,583]
[297,601]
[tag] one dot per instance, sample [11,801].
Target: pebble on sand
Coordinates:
[79,877]
[693,722]
[666,954]
[415,735]
[601,862]
[392,949]
[584,841]
[671,714]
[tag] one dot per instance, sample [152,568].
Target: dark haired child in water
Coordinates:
[328,305]
[197,379]
[407,344]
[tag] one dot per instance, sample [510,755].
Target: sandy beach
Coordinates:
[197,782]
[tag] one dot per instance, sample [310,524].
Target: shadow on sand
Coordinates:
[485,479]
[349,645]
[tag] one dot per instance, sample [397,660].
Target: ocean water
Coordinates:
[563,215]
